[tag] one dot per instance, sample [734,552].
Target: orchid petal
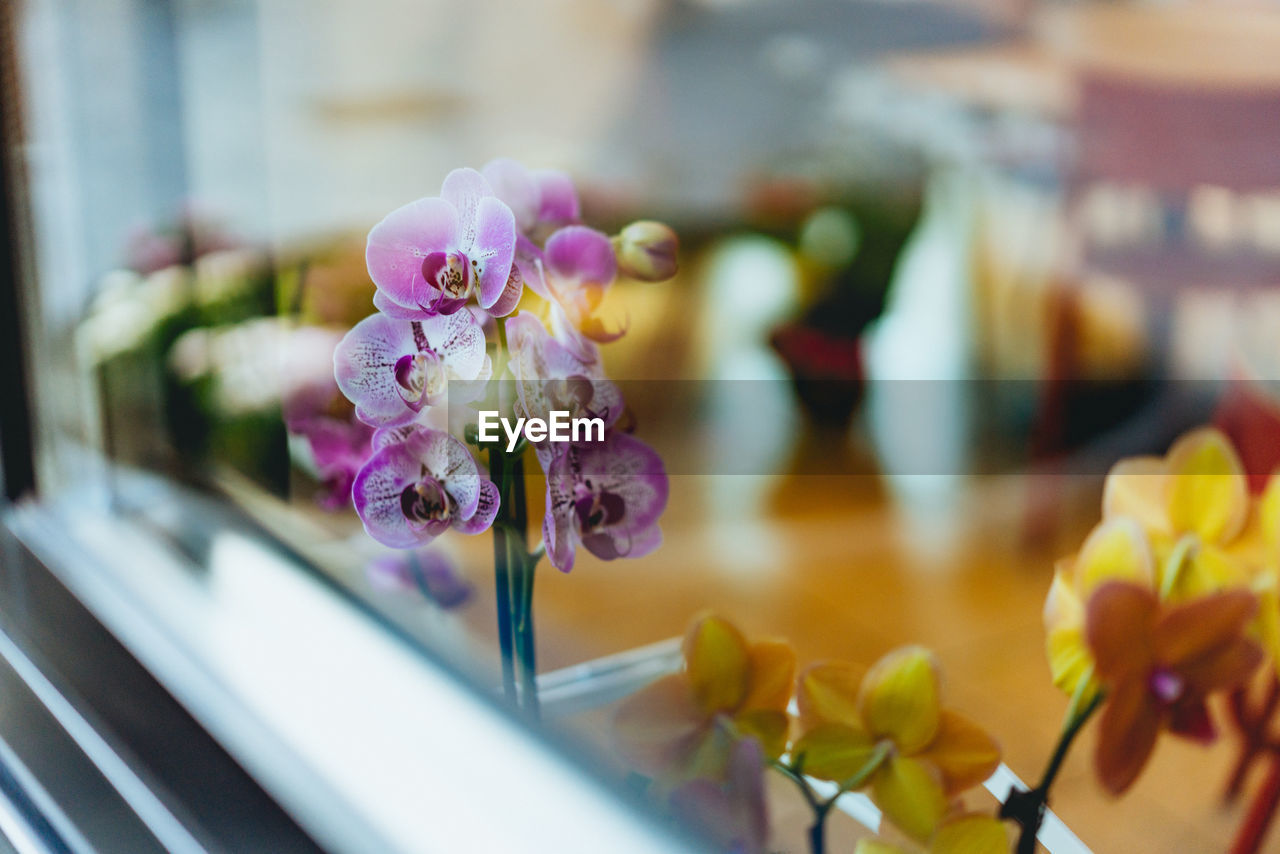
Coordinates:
[390,308]
[620,541]
[570,337]
[1191,631]
[1069,657]
[629,468]
[1070,660]
[717,664]
[494,249]
[1269,517]
[910,794]
[577,254]
[486,510]
[459,341]
[1225,667]
[376,494]
[877,846]
[962,751]
[703,804]
[464,189]
[643,543]
[515,186]
[537,358]
[448,461]
[558,521]
[834,751]
[971,834]
[900,698]
[1136,488]
[656,727]
[1190,720]
[828,693]
[509,299]
[1118,622]
[747,789]
[528,258]
[1208,492]
[402,239]
[1126,735]
[767,726]
[1116,550]
[558,198]
[1207,570]
[595,328]
[773,672]
[734,811]
[364,367]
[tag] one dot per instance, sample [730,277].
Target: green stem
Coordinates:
[1027,807]
[821,809]
[524,628]
[514,565]
[502,583]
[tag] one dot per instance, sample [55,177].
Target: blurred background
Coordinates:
[942,264]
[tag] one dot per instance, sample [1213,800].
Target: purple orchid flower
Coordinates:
[733,811]
[418,484]
[430,256]
[549,377]
[337,442]
[606,496]
[339,447]
[578,267]
[392,368]
[540,199]
[428,571]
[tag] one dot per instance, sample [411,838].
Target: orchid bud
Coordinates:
[646,251]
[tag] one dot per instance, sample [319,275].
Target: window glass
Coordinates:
[864,298]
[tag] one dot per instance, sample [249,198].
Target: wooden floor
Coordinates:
[844,567]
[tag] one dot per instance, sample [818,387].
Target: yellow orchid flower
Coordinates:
[1182,525]
[675,727]
[891,721]
[1194,506]
[1116,550]
[969,833]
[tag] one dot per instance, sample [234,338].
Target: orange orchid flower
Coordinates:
[1158,663]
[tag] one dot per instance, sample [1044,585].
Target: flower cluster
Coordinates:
[497,278]
[883,730]
[1172,598]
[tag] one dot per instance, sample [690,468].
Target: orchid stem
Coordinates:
[514,564]
[821,809]
[1027,807]
[524,619]
[1261,812]
[502,584]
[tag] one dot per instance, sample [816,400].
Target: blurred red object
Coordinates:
[1250,417]
[826,370]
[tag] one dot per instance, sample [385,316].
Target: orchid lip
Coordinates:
[573,393]
[451,273]
[419,378]
[1167,686]
[598,509]
[425,501]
